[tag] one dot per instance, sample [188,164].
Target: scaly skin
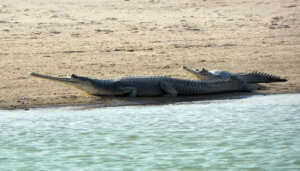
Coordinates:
[250,78]
[150,86]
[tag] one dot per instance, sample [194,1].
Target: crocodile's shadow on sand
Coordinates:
[110,101]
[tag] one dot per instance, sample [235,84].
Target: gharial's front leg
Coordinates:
[131,91]
[168,89]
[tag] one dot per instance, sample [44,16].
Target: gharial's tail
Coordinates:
[62,80]
[260,77]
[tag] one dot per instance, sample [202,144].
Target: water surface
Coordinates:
[259,133]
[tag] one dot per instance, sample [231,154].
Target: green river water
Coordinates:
[255,133]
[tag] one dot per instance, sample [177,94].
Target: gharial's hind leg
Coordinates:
[240,83]
[168,89]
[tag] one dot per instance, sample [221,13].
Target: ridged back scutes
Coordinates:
[143,78]
[206,83]
[260,77]
[187,82]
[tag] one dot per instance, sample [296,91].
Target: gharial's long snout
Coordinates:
[196,72]
[190,70]
[48,77]
[82,83]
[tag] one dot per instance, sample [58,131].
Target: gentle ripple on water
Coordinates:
[260,133]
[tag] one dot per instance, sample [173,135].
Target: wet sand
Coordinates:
[113,38]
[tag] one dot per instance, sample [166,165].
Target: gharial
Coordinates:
[150,86]
[250,78]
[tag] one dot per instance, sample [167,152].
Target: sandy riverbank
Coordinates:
[113,38]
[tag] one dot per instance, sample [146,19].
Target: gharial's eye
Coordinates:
[197,69]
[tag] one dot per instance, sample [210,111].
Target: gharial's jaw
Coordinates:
[85,84]
[100,87]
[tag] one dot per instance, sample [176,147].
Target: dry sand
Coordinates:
[116,38]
